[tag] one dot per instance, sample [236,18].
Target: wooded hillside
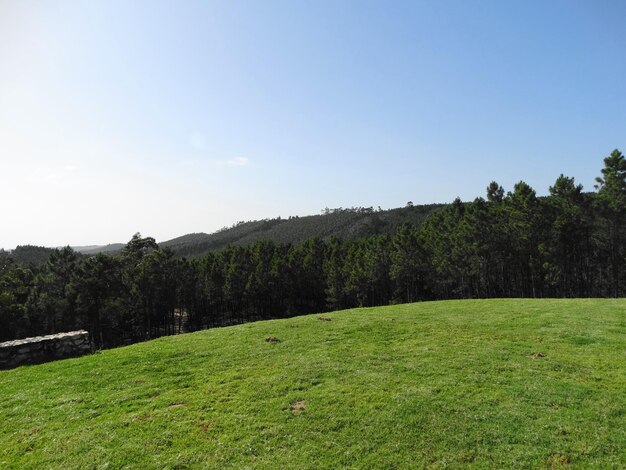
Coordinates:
[511,244]
[339,223]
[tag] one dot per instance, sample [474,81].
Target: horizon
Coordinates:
[225,227]
[119,118]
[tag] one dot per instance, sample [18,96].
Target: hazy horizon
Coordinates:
[227,226]
[167,119]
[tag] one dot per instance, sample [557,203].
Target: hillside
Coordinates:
[95,249]
[489,383]
[344,223]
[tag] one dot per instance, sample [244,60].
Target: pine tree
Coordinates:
[611,201]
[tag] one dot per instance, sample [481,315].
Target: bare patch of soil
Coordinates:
[272,339]
[536,355]
[558,461]
[298,407]
[324,319]
[142,418]
[177,405]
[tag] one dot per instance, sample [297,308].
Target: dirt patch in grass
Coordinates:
[298,407]
[28,434]
[324,319]
[142,418]
[179,404]
[558,461]
[272,339]
[536,355]
[206,426]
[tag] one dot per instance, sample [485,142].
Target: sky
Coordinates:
[167,117]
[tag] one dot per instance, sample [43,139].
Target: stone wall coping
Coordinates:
[39,339]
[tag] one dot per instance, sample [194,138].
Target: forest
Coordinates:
[569,243]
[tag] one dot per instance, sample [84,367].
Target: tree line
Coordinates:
[570,243]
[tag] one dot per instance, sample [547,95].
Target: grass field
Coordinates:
[493,383]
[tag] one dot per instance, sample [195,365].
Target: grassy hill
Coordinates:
[493,383]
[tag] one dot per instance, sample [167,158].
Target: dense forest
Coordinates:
[510,244]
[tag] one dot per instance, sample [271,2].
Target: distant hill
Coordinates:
[340,223]
[95,249]
[32,255]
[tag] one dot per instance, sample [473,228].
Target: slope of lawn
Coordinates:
[493,383]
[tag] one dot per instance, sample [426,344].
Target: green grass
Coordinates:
[436,384]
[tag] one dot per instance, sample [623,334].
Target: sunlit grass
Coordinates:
[456,383]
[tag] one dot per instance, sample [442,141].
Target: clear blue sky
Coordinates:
[177,117]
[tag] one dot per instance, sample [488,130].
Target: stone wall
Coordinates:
[44,348]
